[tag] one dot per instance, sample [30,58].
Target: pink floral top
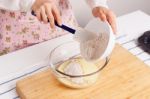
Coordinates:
[19,29]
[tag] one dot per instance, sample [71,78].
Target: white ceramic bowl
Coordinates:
[97,26]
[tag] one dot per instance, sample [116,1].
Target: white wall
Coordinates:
[120,7]
[82,11]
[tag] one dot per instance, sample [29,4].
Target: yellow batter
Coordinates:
[78,66]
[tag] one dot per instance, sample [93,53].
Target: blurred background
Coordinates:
[120,7]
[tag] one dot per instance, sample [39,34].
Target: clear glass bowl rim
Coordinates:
[73,76]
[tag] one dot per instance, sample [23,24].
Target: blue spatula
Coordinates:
[70,30]
[80,34]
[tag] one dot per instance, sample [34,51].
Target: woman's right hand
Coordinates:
[106,14]
[47,10]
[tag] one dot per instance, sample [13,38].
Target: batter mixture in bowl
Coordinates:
[78,66]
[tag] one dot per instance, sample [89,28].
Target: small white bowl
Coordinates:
[97,26]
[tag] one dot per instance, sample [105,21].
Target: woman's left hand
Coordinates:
[106,14]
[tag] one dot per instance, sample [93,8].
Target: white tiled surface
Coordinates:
[25,62]
[130,27]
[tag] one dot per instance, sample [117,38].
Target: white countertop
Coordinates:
[130,26]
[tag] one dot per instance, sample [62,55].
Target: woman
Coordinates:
[19,29]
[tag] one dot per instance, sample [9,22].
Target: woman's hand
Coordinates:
[47,10]
[106,15]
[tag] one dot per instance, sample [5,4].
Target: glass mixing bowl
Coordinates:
[78,77]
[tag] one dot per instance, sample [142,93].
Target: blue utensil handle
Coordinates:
[62,26]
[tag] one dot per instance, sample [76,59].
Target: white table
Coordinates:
[20,62]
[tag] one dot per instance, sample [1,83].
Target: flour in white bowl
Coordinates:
[93,49]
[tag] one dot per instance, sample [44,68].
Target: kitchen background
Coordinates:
[120,7]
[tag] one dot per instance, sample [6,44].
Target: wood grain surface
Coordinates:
[125,77]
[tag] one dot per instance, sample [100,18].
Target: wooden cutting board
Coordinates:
[125,77]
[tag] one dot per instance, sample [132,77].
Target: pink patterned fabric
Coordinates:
[19,29]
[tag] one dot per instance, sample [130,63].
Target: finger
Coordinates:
[112,21]
[38,15]
[43,14]
[50,17]
[113,25]
[57,16]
